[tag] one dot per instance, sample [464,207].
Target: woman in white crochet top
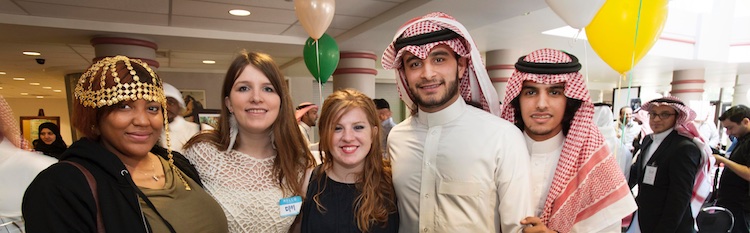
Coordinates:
[256,159]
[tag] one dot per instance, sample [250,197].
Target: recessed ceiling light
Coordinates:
[24,93]
[34,84]
[47,88]
[1,88]
[239,12]
[40,97]
[31,53]
[57,90]
[19,79]
[2,72]
[209,62]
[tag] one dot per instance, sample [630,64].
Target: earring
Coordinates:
[233,131]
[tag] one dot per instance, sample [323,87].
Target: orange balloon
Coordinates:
[612,31]
[315,15]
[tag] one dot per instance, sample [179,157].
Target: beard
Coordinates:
[439,101]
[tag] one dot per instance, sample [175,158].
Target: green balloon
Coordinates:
[327,52]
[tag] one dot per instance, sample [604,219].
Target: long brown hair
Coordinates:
[293,155]
[377,198]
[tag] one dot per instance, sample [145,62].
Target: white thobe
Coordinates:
[306,131]
[180,131]
[460,170]
[17,169]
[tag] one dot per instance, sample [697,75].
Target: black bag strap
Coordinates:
[92,184]
[715,187]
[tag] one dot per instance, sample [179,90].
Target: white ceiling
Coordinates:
[189,31]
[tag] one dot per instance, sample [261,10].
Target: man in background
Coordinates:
[386,121]
[180,130]
[627,129]
[668,168]
[18,167]
[733,187]
[307,115]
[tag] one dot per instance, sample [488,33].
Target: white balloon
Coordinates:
[576,13]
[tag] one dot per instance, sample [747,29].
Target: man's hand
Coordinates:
[535,225]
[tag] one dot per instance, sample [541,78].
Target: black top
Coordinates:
[732,188]
[338,200]
[60,200]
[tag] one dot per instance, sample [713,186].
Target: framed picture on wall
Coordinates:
[209,117]
[626,97]
[30,125]
[194,95]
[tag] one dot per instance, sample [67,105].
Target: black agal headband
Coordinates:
[441,35]
[548,68]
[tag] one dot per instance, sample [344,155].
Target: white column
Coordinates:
[741,90]
[688,84]
[356,70]
[500,66]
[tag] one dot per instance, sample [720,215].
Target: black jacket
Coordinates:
[665,206]
[60,200]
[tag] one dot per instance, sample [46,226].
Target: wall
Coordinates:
[52,107]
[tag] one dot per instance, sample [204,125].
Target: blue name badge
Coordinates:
[290,206]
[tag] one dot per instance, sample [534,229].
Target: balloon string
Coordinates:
[320,78]
[629,74]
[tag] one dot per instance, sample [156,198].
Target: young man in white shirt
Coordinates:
[576,183]
[455,167]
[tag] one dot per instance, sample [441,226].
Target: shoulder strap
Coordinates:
[92,184]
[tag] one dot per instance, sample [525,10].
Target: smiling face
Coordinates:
[47,136]
[433,82]
[352,139]
[131,128]
[254,101]
[542,109]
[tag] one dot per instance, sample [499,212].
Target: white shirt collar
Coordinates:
[546,146]
[444,116]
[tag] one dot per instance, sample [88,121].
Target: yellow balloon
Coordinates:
[612,31]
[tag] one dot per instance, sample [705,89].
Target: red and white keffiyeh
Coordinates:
[474,86]
[10,130]
[587,183]
[685,127]
[302,109]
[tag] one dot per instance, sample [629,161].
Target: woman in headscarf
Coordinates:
[50,141]
[116,179]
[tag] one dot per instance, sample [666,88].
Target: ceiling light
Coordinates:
[40,97]
[1,88]
[209,62]
[19,79]
[31,53]
[2,72]
[34,84]
[239,12]
[24,93]
[57,90]
[47,88]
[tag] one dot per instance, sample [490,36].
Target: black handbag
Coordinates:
[714,218]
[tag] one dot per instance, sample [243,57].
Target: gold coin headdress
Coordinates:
[117,91]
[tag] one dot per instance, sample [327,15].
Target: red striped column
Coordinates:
[688,84]
[500,66]
[356,70]
[742,90]
[139,48]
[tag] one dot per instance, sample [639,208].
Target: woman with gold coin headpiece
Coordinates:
[116,179]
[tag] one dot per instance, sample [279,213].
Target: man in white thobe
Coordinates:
[456,168]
